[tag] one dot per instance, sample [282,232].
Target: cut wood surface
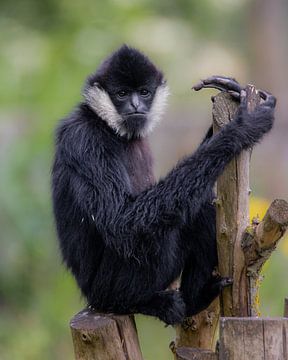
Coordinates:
[253,338]
[104,337]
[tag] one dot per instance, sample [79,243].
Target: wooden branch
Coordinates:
[233,211]
[231,221]
[237,256]
[259,241]
[105,337]
[261,238]
[242,257]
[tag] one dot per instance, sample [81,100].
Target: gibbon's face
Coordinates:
[128,92]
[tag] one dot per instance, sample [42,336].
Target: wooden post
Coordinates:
[199,331]
[286,308]
[242,249]
[233,211]
[253,338]
[104,337]
[232,218]
[195,354]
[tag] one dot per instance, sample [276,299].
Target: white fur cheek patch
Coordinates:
[158,107]
[99,100]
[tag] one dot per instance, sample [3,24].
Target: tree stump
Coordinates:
[253,338]
[104,337]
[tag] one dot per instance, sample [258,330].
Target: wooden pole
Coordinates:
[199,331]
[286,308]
[233,211]
[104,337]
[232,218]
[242,249]
[195,354]
[253,338]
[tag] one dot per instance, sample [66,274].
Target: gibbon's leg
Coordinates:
[202,258]
[198,286]
[167,305]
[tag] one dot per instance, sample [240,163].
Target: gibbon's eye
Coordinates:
[122,94]
[144,92]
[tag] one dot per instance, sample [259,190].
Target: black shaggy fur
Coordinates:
[126,237]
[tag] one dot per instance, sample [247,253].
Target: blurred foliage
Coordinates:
[47,49]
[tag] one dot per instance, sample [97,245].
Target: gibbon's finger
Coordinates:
[224,82]
[234,94]
[219,83]
[243,98]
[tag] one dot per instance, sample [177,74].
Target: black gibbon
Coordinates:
[125,236]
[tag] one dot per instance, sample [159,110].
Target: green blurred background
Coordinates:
[48,47]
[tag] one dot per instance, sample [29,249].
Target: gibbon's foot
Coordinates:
[224,281]
[221,83]
[209,292]
[167,305]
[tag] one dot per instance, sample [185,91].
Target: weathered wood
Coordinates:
[286,308]
[185,353]
[104,337]
[231,330]
[273,226]
[232,222]
[273,339]
[201,330]
[253,338]
[233,211]
[259,241]
[261,238]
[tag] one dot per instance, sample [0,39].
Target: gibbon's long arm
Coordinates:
[99,188]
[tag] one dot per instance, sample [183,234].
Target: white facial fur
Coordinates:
[100,102]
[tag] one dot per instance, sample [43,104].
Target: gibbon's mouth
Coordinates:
[136,113]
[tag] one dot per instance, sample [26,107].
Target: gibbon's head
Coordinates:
[128,92]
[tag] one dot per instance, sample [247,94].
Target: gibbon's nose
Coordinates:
[135,101]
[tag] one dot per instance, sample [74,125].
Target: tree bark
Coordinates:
[199,331]
[286,308]
[242,250]
[104,337]
[259,241]
[233,211]
[232,218]
[195,354]
[253,338]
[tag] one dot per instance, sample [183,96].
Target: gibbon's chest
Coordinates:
[139,165]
